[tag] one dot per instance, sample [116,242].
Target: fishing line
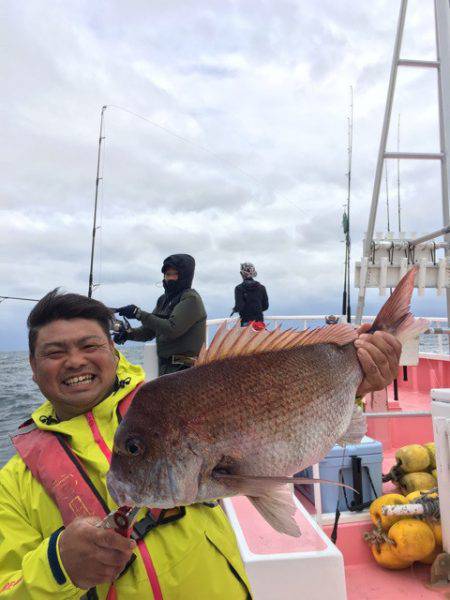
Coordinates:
[211,153]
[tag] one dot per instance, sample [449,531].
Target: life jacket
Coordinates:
[51,461]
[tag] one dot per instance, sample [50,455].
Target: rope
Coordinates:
[337,514]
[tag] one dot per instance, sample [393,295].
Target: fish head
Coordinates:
[152,466]
[161,457]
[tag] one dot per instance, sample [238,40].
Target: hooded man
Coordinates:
[178,322]
[250,297]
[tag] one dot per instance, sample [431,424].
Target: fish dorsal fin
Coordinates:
[242,341]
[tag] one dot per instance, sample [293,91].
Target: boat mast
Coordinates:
[442,67]
[442,20]
[94,226]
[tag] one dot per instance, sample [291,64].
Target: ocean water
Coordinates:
[20,395]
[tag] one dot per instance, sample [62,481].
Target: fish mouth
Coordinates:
[121,493]
[169,488]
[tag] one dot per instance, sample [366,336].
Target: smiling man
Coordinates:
[53,493]
[75,386]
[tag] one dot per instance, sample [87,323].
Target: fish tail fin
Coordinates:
[395,316]
[277,508]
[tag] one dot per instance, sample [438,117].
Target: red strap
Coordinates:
[60,473]
[126,402]
[151,573]
[145,555]
[123,407]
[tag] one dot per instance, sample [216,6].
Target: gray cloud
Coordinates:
[259,90]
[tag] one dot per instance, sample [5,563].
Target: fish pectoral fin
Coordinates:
[278,509]
[260,485]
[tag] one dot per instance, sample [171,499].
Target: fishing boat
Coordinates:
[414,410]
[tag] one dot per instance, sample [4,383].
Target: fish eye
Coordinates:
[134,447]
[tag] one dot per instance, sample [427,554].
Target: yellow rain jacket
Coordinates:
[195,558]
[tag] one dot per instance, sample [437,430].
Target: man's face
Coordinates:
[74,365]
[171,274]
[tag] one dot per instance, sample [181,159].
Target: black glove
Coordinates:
[120,338]
[128,311]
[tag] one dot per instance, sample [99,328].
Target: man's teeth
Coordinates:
[79,379]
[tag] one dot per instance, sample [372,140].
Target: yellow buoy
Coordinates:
[418,494]
[413,539]
[413,495]
[413,458]
[385,557]
[431,449]
[417,481]
[376,506]
[436,528]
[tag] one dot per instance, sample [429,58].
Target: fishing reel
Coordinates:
[117,325]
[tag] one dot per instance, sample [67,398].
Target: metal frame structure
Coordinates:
[442,66]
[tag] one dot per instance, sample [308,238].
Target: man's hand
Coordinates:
[379,355]
[130,311]
[92,555]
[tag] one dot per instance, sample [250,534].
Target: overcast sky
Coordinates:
[260,91]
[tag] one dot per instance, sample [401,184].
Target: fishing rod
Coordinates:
[97,181]
[99,178]
[346,308]
[18,298]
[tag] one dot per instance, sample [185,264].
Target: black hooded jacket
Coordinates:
[178,321]
[250,300]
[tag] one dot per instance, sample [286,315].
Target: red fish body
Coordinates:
[259,405]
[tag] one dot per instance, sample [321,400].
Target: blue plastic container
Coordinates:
[371,453]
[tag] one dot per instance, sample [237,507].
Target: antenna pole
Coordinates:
[399,210]
[387,197]
[94,226]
